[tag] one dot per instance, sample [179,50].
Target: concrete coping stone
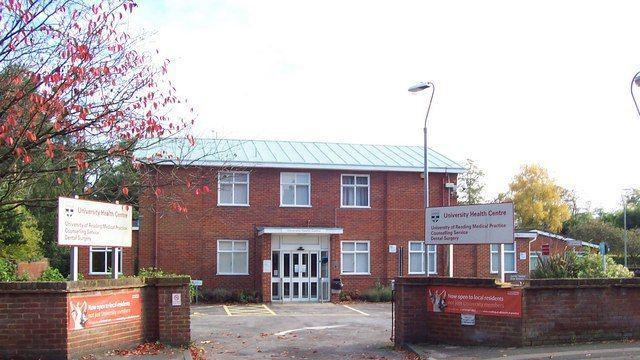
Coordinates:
[89,285]
[580,283]
[432,280]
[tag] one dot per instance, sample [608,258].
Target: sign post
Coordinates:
[471,224]
[93,223]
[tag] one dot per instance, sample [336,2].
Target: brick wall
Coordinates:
[553,311]
[559,311]
[414,324]
[34,317]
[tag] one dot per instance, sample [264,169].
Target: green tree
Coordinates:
[537,200]
[595,231]
[20,238]
[471,184]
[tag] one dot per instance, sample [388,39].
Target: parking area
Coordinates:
[300,331]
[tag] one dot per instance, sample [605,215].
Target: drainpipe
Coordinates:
[155,226]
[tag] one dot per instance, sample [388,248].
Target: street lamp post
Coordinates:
[625,231]
[416,88]
[625,201]
[635,81]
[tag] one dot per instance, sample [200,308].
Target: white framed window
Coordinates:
[416,258]
[233,188]
[100,260]
[233,257]
[295,189]
[355,191]
[533,260]
[355,257]
[509,258]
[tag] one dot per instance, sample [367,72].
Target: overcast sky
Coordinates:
[516,82]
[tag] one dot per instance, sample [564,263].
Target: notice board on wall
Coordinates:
[475,300]
[98,310]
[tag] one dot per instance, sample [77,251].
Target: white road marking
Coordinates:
[282,333]
[356,310]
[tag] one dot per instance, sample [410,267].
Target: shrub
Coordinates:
[51,274]
[7,270]
[247,297]
[377,293]
[571,266]
[218,295]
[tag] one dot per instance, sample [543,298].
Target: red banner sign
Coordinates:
[91,311]
[470,300]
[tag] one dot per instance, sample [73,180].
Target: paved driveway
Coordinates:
[307,331]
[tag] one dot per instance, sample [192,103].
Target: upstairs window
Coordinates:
[509,258]
[355,190]
[233,188]
[100,260]
[295,189]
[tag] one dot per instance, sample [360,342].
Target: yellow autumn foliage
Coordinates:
[537,200]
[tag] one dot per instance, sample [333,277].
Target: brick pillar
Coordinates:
[334,264]
[174,323]
[265,277]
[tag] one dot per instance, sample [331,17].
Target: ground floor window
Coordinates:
[416,258]
[509,258]
[534,257]
[355,257]
[233,257]
[100,260]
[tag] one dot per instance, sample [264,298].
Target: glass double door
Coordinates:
[300,277]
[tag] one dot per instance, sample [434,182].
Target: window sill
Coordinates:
[506,272]
[103,273]
[357,274]
[421,273]
[233,205]
[295,206]
[228,274]
[355,207]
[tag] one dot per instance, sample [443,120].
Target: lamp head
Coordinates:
[636,80]
[422,85]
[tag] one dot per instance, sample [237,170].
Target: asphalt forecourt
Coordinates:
[312,331]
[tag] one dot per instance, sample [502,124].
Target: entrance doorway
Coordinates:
[299,269]
[299,276]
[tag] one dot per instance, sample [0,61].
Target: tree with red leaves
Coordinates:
[78,96]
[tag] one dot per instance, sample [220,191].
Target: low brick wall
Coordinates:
[40,319]
[552,311]
[558,311]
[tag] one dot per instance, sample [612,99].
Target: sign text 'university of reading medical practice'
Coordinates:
[93,223]
[470,224]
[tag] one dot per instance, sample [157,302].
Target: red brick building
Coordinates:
[286,218]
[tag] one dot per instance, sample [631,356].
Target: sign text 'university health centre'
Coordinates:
[93,223]
[470,224]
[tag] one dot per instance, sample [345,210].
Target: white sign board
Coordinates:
[392,249]
[176,299]
[467,319]
[523,256]
[574,242]
[196,282]
[266,266]
[470,224]
[93,223]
